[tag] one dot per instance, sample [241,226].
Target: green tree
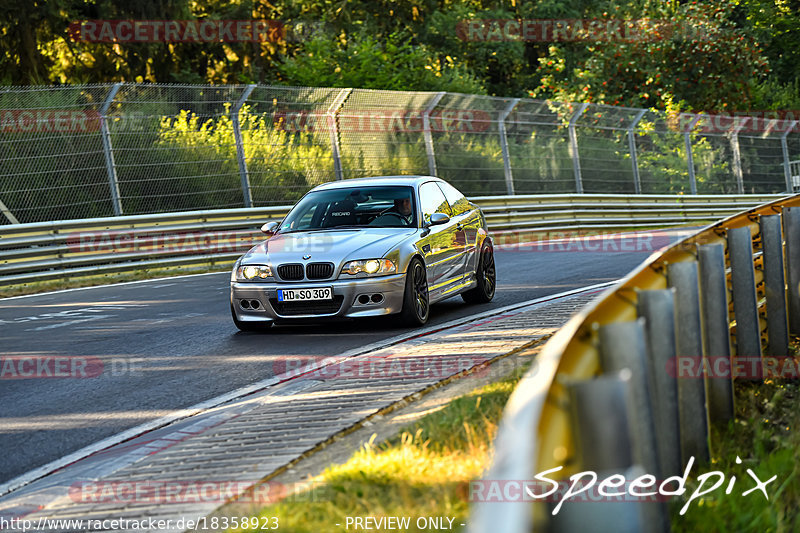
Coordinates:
[24,37]
[504,68]
[776,23]
[742,54]
[700,60]
[365,62]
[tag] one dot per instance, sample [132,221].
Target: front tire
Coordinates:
[486,277]
[250,326]
[416,304]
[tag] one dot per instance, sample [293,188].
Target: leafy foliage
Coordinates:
[365,62]
[712,55]
[700,60]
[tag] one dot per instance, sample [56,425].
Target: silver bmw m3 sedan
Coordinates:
[366,247]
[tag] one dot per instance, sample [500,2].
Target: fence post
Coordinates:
[774,285]
[716,335]
[791,236]
[105,134]
[333,127]
[687,141]
[745,300]
[657,307]
[787,171]
[573,148]
[426,129]
[737,154]
[501,126]
[637,182]
[691,392]
[600,411]
[237,137]
[622,345]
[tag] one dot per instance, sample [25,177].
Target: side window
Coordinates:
[432,201]
[302,222]
[305,220]
[457,200]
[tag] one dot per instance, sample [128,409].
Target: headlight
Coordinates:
[253,272]
[372,267]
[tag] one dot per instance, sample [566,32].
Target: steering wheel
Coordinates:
[389,213]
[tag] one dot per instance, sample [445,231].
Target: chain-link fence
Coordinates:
[100,150]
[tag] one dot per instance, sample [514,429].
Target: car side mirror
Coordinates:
[439,218]
[269,228]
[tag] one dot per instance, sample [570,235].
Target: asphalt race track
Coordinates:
[150,348]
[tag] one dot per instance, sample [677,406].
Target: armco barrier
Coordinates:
[75,248]
[609,393]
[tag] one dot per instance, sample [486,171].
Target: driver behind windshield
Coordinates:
[402,206]
[400,214]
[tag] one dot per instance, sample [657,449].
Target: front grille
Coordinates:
[291,272]
[314,307]
[319,270]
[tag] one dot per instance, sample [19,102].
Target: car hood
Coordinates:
[335,246]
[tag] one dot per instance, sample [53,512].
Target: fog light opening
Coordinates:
[255,304]
[377,298]
[363,299]
[245,304]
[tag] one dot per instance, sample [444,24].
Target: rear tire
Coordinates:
[250,326]
[416,304]
[486,277]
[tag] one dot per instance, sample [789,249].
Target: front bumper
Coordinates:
[385,297]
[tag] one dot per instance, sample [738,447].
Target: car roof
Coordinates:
[377,180]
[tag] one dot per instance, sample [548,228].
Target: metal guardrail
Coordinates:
[609,211]
[601,396]
[76,248]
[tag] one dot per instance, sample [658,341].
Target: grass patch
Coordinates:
[420,473]
[104,279]
[765,436]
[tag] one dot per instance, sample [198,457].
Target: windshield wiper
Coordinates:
[346,226]
[342,226]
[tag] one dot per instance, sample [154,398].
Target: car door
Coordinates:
[468,221]
[439,246]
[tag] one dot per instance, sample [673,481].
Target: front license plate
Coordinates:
[293,295]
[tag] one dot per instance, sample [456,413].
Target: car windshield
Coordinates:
[353,207]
